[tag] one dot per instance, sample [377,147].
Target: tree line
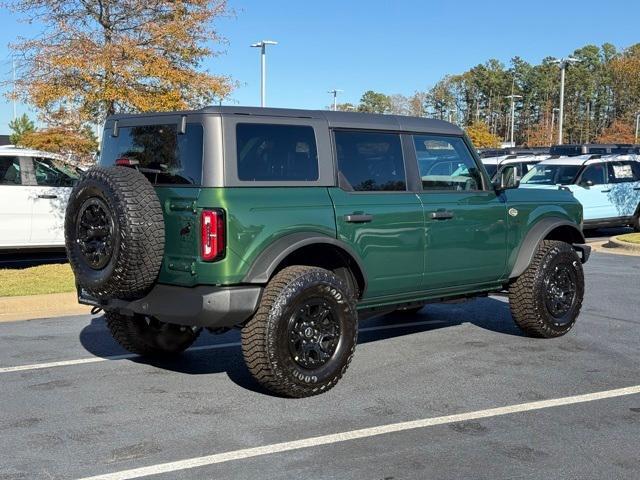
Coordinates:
[602,98]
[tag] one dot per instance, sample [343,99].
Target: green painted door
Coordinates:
[376,214]
[465,221]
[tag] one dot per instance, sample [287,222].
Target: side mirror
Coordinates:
[507,178]
[587,184]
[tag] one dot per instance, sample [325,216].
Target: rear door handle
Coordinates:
[636,188]
[441,215]
[358,218]
[48,197]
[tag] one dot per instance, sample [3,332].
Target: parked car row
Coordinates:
[34,190]
[608,186]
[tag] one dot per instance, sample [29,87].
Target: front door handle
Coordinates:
[606,191]
[47,196]
[636,188]
[358,218]
[441,215]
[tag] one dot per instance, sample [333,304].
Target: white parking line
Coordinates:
[84,361]
[358,434]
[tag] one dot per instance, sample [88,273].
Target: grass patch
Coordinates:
[630,237]
[36,280]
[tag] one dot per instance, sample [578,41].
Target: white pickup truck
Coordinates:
[34,190]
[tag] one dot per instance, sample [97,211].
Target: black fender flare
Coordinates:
[536,234]
[265,264]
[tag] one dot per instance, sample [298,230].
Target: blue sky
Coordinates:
[393,47]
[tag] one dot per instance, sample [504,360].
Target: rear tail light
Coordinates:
[126,162]
[212,228]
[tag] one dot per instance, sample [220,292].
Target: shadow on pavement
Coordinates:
[486,313]
[21,259]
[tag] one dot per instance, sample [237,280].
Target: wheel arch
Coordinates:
[310,249]
[550,228]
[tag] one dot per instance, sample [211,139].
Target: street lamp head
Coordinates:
[263,43]
[563,62]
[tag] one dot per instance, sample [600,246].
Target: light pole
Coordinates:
[13,66]
[262,45]
[637,126]
[553,118]
[563,62]
[335,93]
[513,114]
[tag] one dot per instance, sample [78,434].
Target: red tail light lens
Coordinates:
[212,228]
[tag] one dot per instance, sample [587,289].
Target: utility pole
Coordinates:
[335,93]
[513,114]
[563,62]
[262,45]
[637,126]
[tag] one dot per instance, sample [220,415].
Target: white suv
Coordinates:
[34,190]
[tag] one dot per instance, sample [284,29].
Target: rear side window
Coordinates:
[269,152]
[159,151]
[621,172]
[10,171]
[54,173]
[371,161]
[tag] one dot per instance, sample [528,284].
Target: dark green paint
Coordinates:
[407,256]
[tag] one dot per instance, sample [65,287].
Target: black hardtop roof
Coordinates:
[357,120]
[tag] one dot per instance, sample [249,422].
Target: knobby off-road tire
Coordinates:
[148,336]
[303,336]
[546,299]
[114,233]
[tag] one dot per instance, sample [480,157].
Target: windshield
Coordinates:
[548,174]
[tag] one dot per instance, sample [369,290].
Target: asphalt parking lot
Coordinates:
[73,405]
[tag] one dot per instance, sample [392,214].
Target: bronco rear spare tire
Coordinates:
[114,233]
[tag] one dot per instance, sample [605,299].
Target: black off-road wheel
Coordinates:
[546,299]
[150,337]
[114,233]
[303,336]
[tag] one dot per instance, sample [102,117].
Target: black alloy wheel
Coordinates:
[94,232]
[314,332]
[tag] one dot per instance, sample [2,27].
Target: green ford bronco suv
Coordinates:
[291,225]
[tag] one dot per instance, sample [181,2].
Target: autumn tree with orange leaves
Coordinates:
[100,57]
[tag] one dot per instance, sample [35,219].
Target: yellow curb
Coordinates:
[40,306]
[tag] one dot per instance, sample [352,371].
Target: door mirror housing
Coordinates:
[507,178]
[587,183]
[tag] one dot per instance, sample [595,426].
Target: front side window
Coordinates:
[551,174]
[371,161]
[596,174]
[622,172]
[10,171]
[269,152]
[434,150]
[54,173]
[163,155]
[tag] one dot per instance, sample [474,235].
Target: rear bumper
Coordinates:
[202,306]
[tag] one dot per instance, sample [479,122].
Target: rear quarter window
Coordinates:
[269,152]
[163,155]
